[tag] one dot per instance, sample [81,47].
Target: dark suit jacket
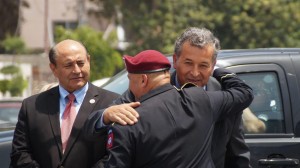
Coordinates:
[175,127]
[37,137]
[229,149]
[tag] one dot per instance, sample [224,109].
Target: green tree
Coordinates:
[148,24]
[105,61]
[4,86]
[10,70]
[256,24]
[13,45]
[155,24]
[10,17]
[15,84]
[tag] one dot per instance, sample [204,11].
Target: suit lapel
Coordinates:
[213,84]
[87,106]
[53,112]
[173,78]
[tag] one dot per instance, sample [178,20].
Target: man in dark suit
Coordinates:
[175,125]
[37,139]
[194,64]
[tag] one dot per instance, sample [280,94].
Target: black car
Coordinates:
[274,75]
[9,110]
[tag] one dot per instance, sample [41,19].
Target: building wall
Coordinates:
[33,27]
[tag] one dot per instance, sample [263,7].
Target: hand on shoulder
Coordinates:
[122,114]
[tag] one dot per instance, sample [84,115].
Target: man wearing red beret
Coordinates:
[175,125]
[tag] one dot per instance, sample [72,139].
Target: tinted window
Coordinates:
[118,83]
[265,114]
[9,115]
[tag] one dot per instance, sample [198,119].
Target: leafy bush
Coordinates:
[10,69]
[13,45]
[4,85]
[15,84]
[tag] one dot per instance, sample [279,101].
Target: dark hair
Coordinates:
[198,37]
[52,55]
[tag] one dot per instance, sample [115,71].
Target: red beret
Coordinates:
[147,61]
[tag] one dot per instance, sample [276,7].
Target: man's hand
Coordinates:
[123,114]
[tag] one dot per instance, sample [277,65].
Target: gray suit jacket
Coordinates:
[229,149]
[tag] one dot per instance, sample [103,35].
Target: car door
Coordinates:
[271,137]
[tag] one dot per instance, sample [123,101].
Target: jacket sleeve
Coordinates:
[120,147]
[235,96]
[21,150]
[237,152]
[93,126]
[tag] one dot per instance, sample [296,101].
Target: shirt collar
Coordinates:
[176,82]
[178,85]
[79,94]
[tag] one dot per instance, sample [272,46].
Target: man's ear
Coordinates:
[144,80]
[214,62]
[174,60]
[89,58]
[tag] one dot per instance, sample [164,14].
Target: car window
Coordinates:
[9,115]
[265,114]
[118,83]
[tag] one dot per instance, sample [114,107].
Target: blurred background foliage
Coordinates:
[155,24]
[13,45]
[9,12]
[13,81]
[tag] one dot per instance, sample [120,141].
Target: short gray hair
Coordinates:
[198,37]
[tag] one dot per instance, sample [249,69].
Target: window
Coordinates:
[72,25]
[9,110]
[66,24]
[265,114]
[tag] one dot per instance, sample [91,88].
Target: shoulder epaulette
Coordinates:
[186,85]
[228,75]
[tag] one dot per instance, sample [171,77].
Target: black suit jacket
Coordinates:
[229,149]
[37,137]
[175,127]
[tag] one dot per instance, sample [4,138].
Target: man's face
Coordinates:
[194,64]
[72,66]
